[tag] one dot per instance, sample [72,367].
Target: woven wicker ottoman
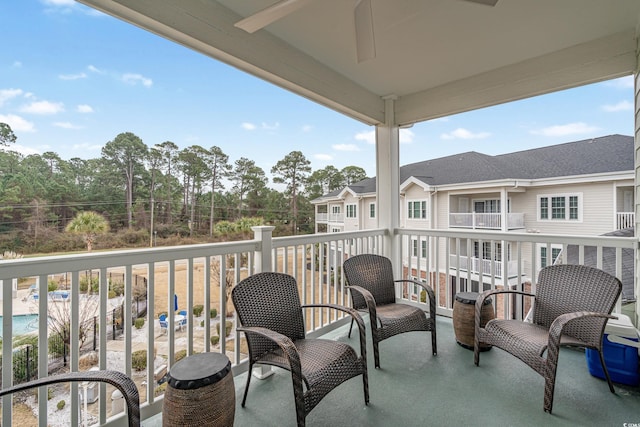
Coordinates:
[200,392]
[464,311]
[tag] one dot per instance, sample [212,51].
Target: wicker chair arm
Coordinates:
[430,293]
[555,330]
[117,379]
[355,315]
[286,345]
[368,298]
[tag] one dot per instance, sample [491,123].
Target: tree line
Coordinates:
[160,190]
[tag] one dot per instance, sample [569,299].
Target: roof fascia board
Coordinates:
[415,181]
[606,58]
[260,54]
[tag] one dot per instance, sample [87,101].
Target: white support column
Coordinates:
[636,201]
[388,180]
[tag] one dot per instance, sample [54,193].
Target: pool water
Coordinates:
[22,324]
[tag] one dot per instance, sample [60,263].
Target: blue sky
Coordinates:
[71,79]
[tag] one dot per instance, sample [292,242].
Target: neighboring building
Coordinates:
[582,188]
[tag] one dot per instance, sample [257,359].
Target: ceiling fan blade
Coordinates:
[268,15]
[365,40]
[485,2]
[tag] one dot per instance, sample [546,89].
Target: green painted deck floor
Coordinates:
[414,388]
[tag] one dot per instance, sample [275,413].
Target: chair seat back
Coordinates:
[568,288]
[374,273]
[272,301]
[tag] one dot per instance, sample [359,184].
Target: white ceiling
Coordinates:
[438,57]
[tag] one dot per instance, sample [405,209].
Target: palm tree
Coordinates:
[89,224]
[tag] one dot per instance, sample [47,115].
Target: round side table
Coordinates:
[464,311]
[200,392]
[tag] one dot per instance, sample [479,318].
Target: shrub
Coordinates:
[202,323]
[181,355]
[139,360]
[116,286]
[112,294]
[423,296]
[215,340]
[56,345]
[213,313]
[52,286]
[61,405]
[160,389]
[198,309]
[95,284]
[227,328]
[139,322]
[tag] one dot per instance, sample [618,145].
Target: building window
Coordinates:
[335,230]
[423,248]
[555,253]
[351,211]
[559,207]
[487,250]
[417,209]
[335,209]
[372,210]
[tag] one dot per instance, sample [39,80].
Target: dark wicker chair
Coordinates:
[117,379]
[571,307]
[269,310]
[372,287]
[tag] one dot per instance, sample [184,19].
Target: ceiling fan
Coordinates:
[363,21]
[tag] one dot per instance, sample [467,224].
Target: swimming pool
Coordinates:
[22,324]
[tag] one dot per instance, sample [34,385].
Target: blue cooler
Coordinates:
[620,349]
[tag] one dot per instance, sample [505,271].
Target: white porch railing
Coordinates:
[329,217]
[315,261]
[477,265]
[625,220]
[490,221]
[212,268]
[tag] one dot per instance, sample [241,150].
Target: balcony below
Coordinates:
[486,221]
[414,388]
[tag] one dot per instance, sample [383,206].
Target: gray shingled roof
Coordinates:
[613,153]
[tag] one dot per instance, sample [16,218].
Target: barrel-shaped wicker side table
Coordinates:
[464,311]
[200,392]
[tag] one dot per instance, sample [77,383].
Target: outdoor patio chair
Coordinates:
[164,323]
[117,379]
[269,310]
[372,287]
[571,307]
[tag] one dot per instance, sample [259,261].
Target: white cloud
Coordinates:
[248,126]
[43,107]
[72,76]
[134,79]
[565,130]
[94,69]
[87,147]
[462,133]
[367,136]
[307,128]
[345,147]
[17,123]
[66,125]
[7,94]
[323,157]
[59,2]
[84,108]
[621,83]
[620,106]
[267,126]
[406,136]
[25,151]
